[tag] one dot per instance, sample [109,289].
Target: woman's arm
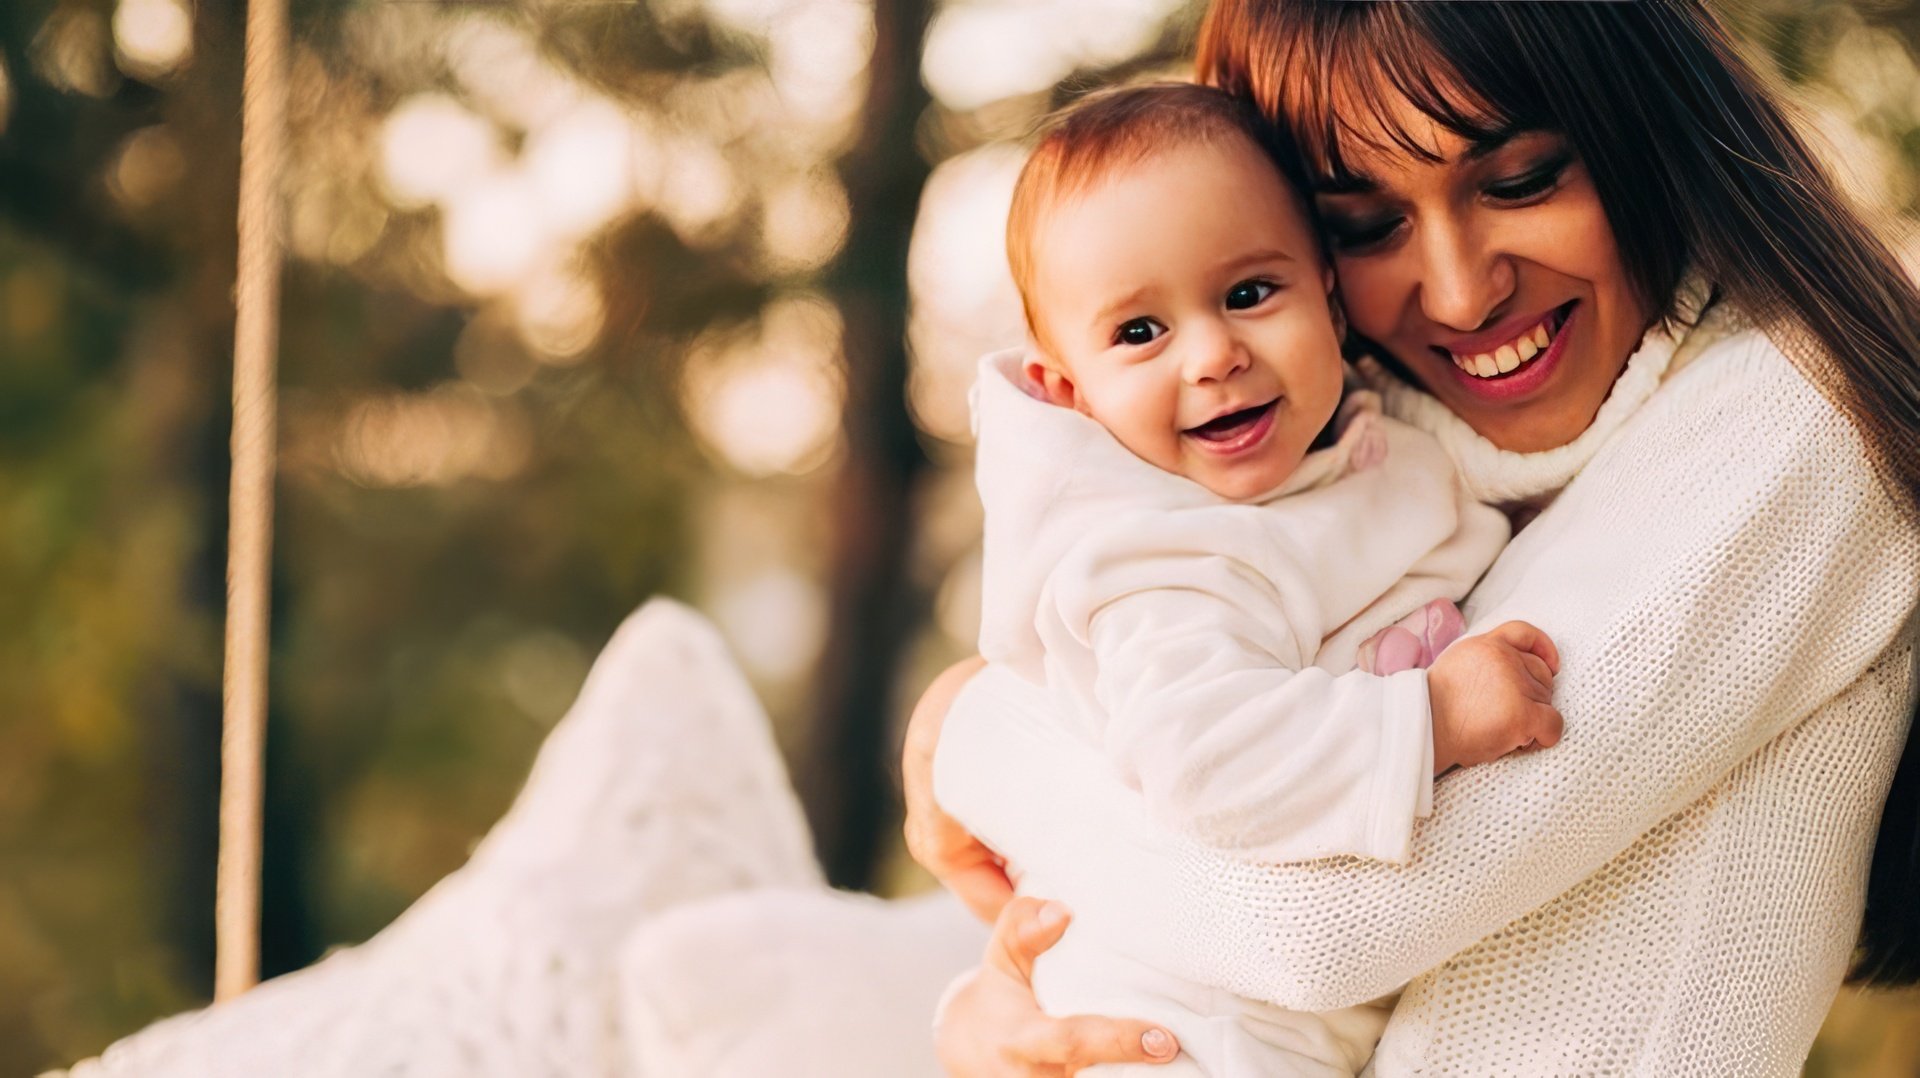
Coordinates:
[936,840]
[1730,562]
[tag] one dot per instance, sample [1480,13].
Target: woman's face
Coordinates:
[1491,275]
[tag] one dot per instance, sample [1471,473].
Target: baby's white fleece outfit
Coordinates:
[1208,648]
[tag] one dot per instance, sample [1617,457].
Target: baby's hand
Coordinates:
[1492,694]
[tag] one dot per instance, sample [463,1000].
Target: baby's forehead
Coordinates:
[1172,152]
[1218,193]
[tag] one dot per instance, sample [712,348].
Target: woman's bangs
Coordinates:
[1367,82]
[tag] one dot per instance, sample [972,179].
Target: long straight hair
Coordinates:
[1697,166]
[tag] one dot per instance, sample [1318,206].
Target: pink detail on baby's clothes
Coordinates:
[1414,641]
[1370,448]
[1360,431]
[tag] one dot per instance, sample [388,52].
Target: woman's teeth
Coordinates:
[1509,356]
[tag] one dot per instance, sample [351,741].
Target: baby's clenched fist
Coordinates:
[1491,694]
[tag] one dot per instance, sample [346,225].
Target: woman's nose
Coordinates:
[1215,354]
[1463,280]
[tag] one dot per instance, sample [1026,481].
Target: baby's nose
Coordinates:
[1215,356]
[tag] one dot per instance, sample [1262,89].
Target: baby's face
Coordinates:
[1185,302]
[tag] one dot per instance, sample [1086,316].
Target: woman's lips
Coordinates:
[1236,432]
[1529,375]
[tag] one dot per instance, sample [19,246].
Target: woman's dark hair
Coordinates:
[1697,166]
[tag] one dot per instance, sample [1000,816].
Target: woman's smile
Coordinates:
[1521,362]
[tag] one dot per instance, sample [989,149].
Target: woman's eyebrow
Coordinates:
[1348,182]
[1490,143]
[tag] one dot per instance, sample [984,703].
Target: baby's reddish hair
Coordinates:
[1113,128]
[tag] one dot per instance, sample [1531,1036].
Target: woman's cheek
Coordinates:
[1378,291]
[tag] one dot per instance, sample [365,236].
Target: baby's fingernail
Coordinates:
[1052,914]
[1157,1042]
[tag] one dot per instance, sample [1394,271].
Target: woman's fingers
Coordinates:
[990,1026]
[1088,1040]
[1023,932]
[934,839]
[1027,928]
[983,888]
[962,863]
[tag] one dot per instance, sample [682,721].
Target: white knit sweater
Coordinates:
[1673,890]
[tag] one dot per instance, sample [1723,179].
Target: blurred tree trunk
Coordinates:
[846,778]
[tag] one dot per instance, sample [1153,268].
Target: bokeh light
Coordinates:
[559,312]
[767,400]
[150,166]
[152,38]
[980,51]
[434,438]
[775,619]
[964,301]
[495,234]
[432,147]
[72,52]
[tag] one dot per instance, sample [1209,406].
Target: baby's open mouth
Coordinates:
[1227,428]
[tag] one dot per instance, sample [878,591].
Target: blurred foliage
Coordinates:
[572,319]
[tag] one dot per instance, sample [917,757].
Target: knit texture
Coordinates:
[1676,887]
[660,788]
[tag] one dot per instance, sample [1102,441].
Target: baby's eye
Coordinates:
[1248,294]
[1138,331]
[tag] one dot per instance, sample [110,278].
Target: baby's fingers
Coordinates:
[1524,637]
[1546,725]
[1540,672]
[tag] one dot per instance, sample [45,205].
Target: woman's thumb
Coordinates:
[1027,927]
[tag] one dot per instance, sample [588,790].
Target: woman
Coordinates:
[1725,550]
[1726,554]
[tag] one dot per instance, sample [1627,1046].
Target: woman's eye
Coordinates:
[1248,294]
[1530,185]
[1359,237]
[1138,331]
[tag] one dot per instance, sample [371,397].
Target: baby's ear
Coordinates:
[1054,384]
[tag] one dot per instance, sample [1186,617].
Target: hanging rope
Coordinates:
[250,502]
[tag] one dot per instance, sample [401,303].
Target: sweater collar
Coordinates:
[1504,477]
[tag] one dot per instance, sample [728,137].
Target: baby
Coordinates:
[1229,570]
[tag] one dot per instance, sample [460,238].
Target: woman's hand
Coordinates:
[935,839]
[990,1026]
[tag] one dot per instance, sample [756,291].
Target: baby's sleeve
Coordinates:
[1196,654]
